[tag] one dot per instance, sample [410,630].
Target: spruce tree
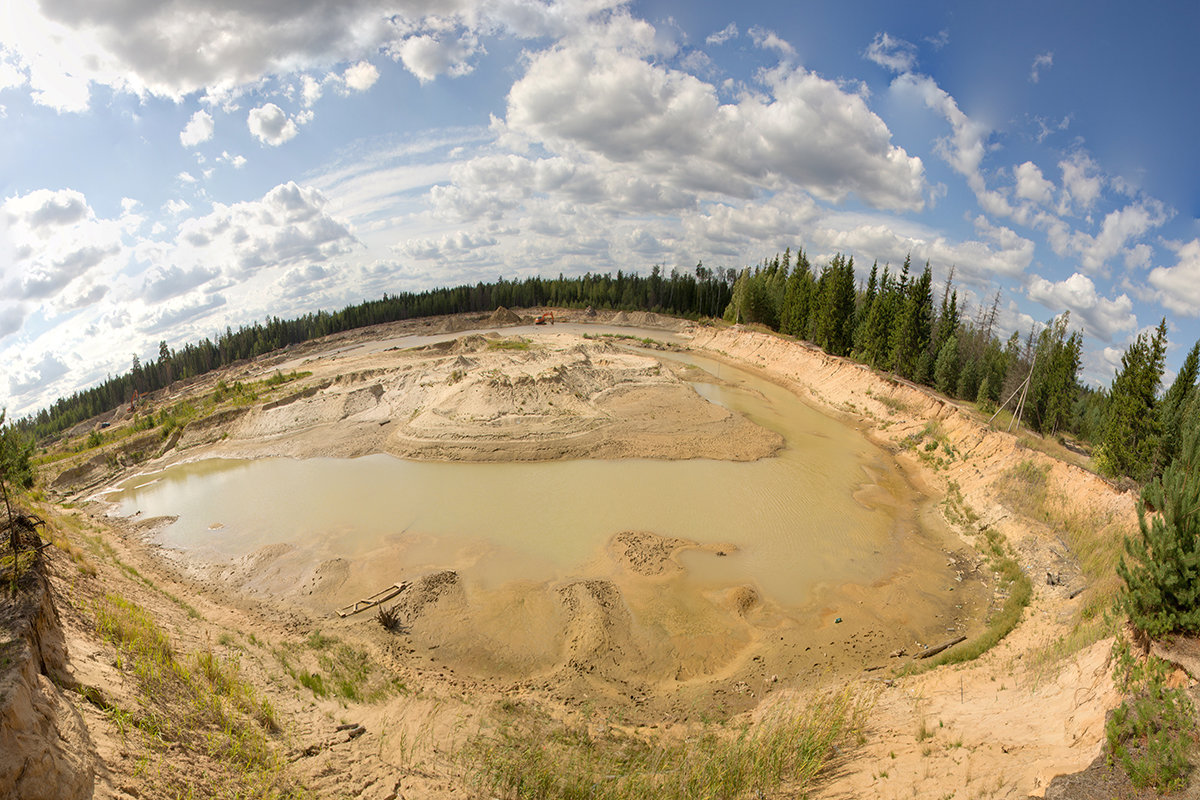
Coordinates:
[840,320]
[1172,408]
[876,338]
[912,334]
[862,313]
[16,451]
[947,320]
[794,316]
[825,311]
[1131,426]
[1053,386]
[735,312]
[945,371]
[984,396]
[1162,574]
[968,379]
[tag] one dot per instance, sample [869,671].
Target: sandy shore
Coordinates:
[630,635]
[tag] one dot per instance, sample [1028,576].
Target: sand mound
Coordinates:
[480,398]
[502,316]
[599,628]
[647,554]
[471,343]
[741,600]
[444,587]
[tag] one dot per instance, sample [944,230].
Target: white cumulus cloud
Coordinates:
[1041,62]
[1179,285]
[199,129]
[722,36]
[429,55]
[613,105]
[1032,185]
[770,40]
[56,252]
[1102,318]
[235,161]
[270,125]
[288,226]
[174,48]
[361,76]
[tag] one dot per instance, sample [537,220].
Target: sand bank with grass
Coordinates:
[394,714]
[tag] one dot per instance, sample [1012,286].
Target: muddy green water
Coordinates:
[830,508]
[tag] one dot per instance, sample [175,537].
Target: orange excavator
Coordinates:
[542,319]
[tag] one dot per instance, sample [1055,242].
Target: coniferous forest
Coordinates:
[898,322]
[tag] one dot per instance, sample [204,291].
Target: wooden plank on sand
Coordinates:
[382,596]
[933,651]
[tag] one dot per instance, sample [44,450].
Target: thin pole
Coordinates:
[1024,393]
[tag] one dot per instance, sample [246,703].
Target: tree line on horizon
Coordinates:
[892,323]
[704,293]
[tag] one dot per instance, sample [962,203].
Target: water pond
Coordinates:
[830,509]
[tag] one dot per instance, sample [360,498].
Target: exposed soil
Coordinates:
[1002,726]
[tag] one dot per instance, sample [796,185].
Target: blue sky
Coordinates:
[168,168]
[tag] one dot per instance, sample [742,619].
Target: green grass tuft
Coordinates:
[529,757]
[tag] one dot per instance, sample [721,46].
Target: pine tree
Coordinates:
[877,338]
[913,330]
[1172,408]
[863,311]
[1131,427]
[945,371]
[1053,386]
[1162,575]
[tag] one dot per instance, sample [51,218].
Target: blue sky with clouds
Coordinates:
[170,167]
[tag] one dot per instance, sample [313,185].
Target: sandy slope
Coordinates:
[999,727]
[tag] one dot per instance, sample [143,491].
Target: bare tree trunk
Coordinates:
[12,534]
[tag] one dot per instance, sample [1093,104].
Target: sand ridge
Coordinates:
[530,398]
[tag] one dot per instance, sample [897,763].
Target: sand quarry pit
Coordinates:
[650,627]
[639,616]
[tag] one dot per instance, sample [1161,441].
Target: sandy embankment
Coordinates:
[1000,726]
[630,623]
[471,401]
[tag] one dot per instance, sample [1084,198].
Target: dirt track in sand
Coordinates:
[985,742]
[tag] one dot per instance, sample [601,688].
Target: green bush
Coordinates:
[1149,735]
[15,453]
[1162,574]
